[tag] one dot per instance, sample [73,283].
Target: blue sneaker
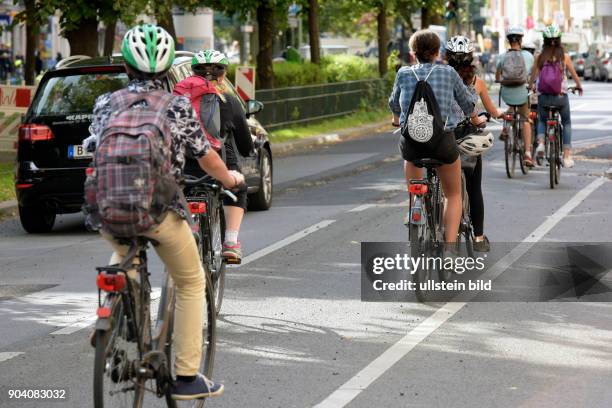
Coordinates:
[201,387]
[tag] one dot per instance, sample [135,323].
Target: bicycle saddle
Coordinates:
[428,163]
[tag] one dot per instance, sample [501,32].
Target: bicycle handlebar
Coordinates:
[191,181]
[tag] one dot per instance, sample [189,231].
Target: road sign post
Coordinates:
[245,82]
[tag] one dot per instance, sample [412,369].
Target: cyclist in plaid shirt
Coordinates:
[447,86]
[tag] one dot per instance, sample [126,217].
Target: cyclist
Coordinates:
[211,65]
[556,61]
[148,51]
[460,56]
[447,86]
[513,69]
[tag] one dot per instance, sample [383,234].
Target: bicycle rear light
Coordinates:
[110,283]
[416,215]
[508,116]
[551,122]
[418,189]
[533,115]
[103,312]
[197,208]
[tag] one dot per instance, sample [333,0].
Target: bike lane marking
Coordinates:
[9,354]
[284,242]
[364,378]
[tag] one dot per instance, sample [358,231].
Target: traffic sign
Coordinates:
[245,82]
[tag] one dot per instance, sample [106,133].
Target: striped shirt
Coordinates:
[445,83]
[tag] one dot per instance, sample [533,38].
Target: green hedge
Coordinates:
[336,68]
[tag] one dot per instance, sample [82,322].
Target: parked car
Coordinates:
[51,161]
[578,60]
[604,66]
[592,63]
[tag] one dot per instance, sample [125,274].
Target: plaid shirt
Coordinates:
[445,83]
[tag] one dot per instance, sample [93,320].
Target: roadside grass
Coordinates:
[7,183]
[356,119]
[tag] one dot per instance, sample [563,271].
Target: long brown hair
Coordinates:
[552,51]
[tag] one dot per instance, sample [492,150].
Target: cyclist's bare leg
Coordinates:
[450,177]
[411,172]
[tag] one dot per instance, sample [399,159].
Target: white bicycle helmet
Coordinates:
[209,57]
[475,144]
[148,48]
[516,30]
[460,45]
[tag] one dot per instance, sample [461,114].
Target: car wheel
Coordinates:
[35,219]
[262,199]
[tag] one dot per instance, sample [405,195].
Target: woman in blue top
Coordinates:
[447,87]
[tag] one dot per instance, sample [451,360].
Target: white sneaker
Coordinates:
[568,163]
[540,150]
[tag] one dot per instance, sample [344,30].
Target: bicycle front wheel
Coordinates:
[114,382]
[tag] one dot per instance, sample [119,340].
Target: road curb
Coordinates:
[8,208]
[292,147]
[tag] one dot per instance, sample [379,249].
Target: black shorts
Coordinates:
[445,150]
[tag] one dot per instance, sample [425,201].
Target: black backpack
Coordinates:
[423,125]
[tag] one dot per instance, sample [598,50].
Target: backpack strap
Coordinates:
[432,69]
[428,74]
[414,72]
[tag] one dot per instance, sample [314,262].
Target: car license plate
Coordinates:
[78,152]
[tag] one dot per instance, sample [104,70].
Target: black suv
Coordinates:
[51,162]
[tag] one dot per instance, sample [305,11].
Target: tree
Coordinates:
[31,18]
[313,31]
[383,36]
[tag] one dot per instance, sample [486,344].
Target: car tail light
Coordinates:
[104,312]
[110,282]
[418,189]
[508,116]
[35,133]
[197,208]
[21,186]
[533,115]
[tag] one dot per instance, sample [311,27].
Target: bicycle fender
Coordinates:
[103,324]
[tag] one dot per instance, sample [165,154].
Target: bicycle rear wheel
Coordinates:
[509,155]
[114,382]
[552,163]
[559,162]
[519,144]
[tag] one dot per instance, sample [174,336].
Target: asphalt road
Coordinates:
[293,330]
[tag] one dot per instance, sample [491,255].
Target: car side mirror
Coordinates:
[254,107]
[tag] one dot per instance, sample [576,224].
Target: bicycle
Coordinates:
[204,198]
[132,356]
[514,146]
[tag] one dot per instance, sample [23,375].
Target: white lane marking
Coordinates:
[286,241]
[87,320]
[354,386]
[361,207]
[594,140]
[7,355]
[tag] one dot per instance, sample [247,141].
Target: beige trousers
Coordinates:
[179,252]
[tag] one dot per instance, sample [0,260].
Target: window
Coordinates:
[73,94]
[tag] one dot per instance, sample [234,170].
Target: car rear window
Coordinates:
[67,95]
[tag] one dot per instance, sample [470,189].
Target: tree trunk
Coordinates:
[265,22]
[31,43]
[165,21]
[109,37]
[383,38]
[313,31]
[84,39]
[424,17]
